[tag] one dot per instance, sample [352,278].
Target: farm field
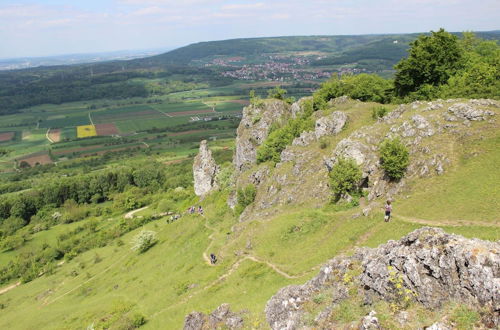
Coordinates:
[86,131]
[7,136]
[54,135]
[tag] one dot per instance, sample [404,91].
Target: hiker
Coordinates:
[200,210]
[213,259]
[191,210]
[388,210]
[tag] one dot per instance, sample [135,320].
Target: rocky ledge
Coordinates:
[434,266]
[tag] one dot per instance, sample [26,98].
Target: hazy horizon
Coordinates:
[45,28]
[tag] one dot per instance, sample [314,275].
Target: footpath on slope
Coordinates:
[10,287]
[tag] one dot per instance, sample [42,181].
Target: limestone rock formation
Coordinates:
[330,125]
[435,266]
[205,171]
[222,317]
[254,128]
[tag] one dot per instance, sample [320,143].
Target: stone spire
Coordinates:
[205,171]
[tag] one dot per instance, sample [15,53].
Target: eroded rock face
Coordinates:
[254,128]
[436,266]
[327,125]
[205,171]
[222,317]
[330,125]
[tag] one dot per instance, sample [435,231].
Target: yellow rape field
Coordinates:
[85,131]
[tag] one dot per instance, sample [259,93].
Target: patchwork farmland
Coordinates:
[70,131]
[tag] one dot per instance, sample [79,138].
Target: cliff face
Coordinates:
[205,171]
[431,266]
[254,129]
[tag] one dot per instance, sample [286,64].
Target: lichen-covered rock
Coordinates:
[222,317]
[469,112]
[435,266]
[204,171]
[305,139]
[254,128]
[330,125]
[370,322]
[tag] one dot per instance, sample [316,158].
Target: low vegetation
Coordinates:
[345,177]
[394,158]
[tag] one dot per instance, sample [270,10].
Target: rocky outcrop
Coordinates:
[435,266]
[205,171]
[327,125]
[222,317]
[330,125]
[254,128]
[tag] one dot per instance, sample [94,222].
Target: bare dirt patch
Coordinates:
[6,136]
[36,159]
[106,129]
[188,113]
[55,134]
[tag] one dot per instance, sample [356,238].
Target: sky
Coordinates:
[31,28]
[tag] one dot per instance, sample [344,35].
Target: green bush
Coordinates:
[345,177]
[379,112]
[364,87]
[143,241]
[246,196]
[281,137]
[394,157]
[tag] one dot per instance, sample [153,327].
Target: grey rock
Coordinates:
[366,211]
[205,171]
[254,128]
[330,125]
[402,317]
[222,317]
[369,322]
[305,139]
[437,267]
[469,112]
[195,321]
[438,326]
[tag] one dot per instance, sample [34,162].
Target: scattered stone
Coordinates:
[402,317]
[468,112]
[366,211]
[222,317]
[438,326]
[369,322]
[205,171]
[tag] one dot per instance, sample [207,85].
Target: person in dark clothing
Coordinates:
[213,259]
[388,210]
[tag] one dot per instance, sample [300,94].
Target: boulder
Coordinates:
[222,317]
[330,125]
[369,322]
[205,171]
[437,267]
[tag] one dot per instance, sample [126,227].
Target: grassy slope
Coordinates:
[172,279]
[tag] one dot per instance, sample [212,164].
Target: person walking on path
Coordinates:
[388,210]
